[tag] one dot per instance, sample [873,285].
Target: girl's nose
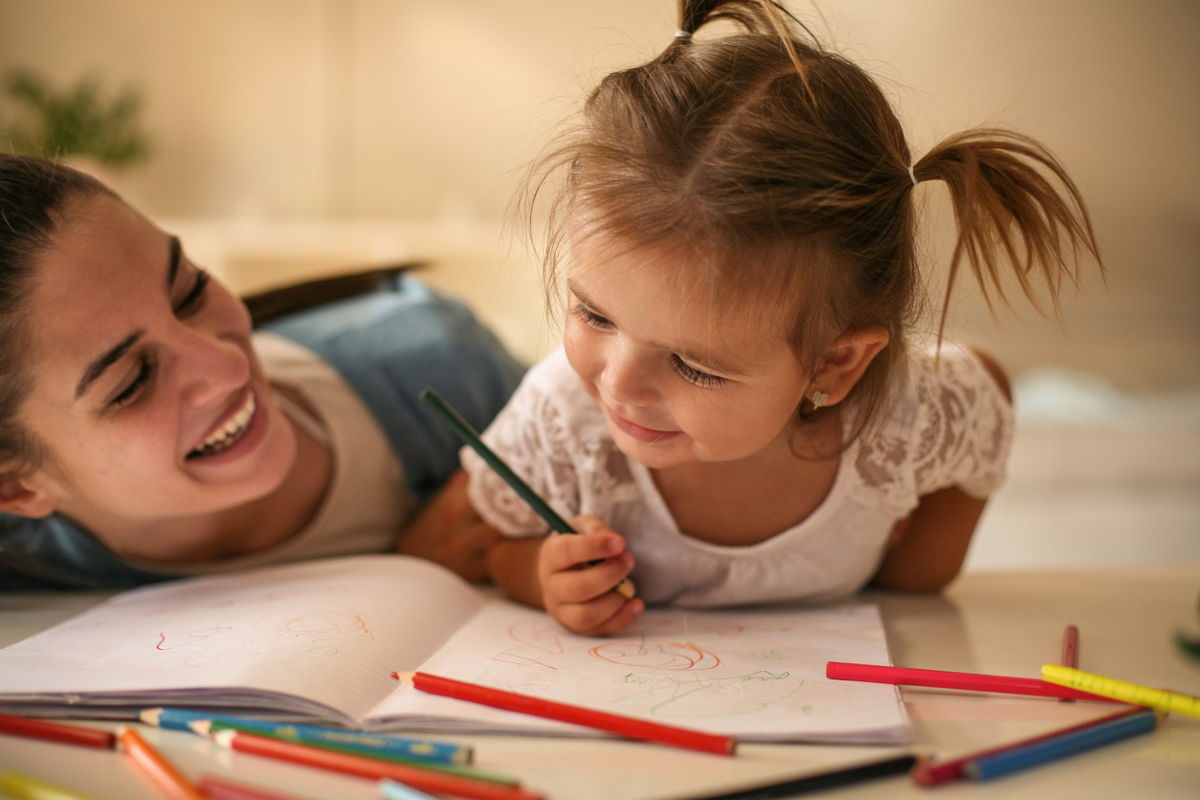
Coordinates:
[627,377]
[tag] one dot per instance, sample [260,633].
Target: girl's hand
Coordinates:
[578,593]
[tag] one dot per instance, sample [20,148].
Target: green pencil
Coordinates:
[469,435]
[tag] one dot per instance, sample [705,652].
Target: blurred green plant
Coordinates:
[78,121]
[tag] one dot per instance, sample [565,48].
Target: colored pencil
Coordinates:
[365,743]
[1070,647]
[393,790]
[221,789]
[1123,691]
[350,764]
[156,767]
[471,437]
[1069,744]
[791,787]
[941,679]
[628,727]
[24,787]
[933,773]
[207,728]
[57,732]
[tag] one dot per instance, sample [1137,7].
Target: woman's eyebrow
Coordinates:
[106,360]
[114,354]
[174,256]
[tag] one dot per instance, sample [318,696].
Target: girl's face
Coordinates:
[677,384]
[148,396]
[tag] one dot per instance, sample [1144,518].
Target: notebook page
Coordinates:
[331,631]
[754,674]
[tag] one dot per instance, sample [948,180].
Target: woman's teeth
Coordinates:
[229,433]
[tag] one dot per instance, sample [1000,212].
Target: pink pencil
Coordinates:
[941,679]
[221,789]
[629,727]
[934,773]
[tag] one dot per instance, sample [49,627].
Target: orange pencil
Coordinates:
[56,732]
[364,767]
[157,768]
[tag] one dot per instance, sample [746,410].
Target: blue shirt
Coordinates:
[388,345]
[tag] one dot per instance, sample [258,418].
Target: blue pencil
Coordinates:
[364,743]
[1068,744]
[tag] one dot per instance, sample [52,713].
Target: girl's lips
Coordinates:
[649,435]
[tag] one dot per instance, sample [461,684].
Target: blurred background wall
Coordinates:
[291,137]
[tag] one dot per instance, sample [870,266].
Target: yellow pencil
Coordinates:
[14,784]
[1161,699]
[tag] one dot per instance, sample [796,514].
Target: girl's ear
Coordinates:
[25,497]
[845,361]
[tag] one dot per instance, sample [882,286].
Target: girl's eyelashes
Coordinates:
[194,299]
[589,317]
[134,388]
[705,380]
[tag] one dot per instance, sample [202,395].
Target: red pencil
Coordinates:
[363,767]
[936,772]
[941,679]
[220,789]
[156,767]
[1070,647]
[613,723]
[57,732]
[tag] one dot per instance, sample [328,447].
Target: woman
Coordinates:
[147,432]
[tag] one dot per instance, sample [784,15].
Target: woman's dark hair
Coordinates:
[780,169]
[34,194]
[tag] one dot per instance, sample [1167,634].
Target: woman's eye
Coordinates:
[692,375]
[192,301]
[130,393]
[589,317]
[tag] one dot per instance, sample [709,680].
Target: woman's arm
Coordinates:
[926,549]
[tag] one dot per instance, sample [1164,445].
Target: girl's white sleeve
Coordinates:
[964,425]
[532,436]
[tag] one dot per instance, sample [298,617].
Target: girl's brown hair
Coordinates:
[785,166]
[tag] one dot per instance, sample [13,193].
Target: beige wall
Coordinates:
[297,111]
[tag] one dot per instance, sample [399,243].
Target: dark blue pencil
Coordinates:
[1047,750]
[471,437]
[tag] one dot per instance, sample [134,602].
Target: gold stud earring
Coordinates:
[818,399]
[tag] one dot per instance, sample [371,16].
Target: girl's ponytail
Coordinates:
[1011,197]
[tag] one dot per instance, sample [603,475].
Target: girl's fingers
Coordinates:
[566,550]
[604,616]
[579,584]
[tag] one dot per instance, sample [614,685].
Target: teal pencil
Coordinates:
[413,749]
[471,437]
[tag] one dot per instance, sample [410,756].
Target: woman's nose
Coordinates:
[211,367]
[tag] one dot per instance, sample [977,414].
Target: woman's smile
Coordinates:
[236,435]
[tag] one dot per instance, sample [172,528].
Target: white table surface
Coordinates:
[998,623]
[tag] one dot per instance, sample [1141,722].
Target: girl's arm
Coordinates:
[927,548]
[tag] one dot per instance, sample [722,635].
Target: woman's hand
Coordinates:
[578,574]
[449,532]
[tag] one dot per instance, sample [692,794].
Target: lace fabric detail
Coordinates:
[949,425]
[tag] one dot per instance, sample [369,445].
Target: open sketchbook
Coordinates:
[331,642]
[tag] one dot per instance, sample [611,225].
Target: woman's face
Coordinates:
[148,397]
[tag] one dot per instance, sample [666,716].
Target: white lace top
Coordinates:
[949,425]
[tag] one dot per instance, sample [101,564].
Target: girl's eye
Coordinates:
[131,391]
[194,299]
[704,380]
[589,317]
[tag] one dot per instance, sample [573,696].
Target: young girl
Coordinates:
[737,394]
